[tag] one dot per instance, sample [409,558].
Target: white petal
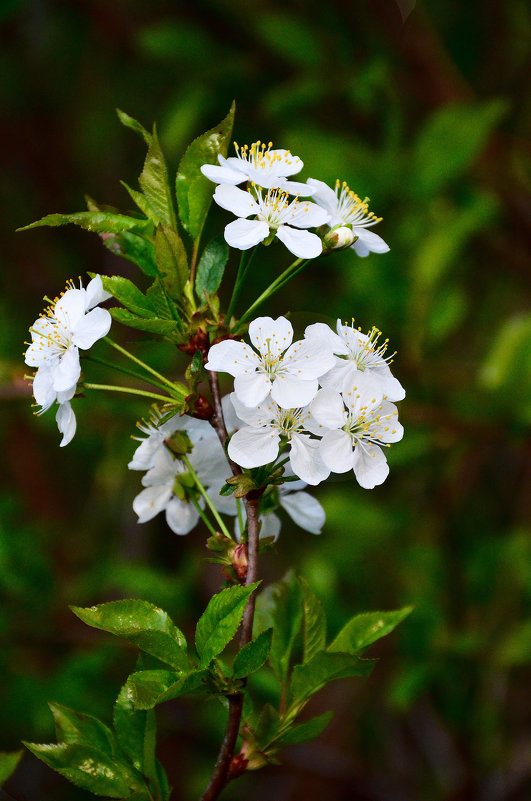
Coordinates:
[38,354]
[70,308]
[43,390]
[328,409]
[222,175]
[307,215]
[239,202]
[391,386]
[302,244]
[305,459]
[180,516]
[368,242]
[369,465]
[253,447]
[226,504]
[365,394]
[304,510]
[271,336]
[271,526]
[232,357]
[255,416]
[336,378]
[91,327]
[309,358]
[324,332]
[323,195]
[150,502]
[66,422]
[68,370]
[297,188]
[251,388]
[144,456]
[244,234]
[336,450]
[164,470]
[386,427]
[290,391]
[95,293]
[209,461]
[285,163]
[232,420]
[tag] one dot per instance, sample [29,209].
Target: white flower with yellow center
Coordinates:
[274,214]
[69,324]
[360,356]
[289,371]
[266,428]
[261,165]
[346,209]
[355,425]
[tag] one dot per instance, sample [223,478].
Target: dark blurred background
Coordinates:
[423,108]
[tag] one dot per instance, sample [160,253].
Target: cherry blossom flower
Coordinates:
[355,424]
[346,209]
[169,486]
[289,371]
[266,428]
[69,324]
[260,165]
[274,214]
[145,454]
[360,356]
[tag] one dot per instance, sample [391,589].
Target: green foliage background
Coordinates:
[424,112]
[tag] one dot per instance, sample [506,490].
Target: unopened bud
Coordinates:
[240,560]
[179,443]
[201,408]
[339,238]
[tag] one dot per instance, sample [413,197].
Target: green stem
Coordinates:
[125,370]
[277,284]
[140,362]
[240,516]
[204,493]
[129,391]
[204,518]
[245,261]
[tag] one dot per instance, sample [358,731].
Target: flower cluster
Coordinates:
[273,202]
[69,324]
[171,487]
[325,402]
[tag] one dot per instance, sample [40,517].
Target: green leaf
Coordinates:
[135,126]
[267,727]
[194,191]
[152,687]
[308,730]
[286,619]
[142,202]
[218,623]
[134,732]
[86,767]
[128,294]
[172,261]
[211,267]
[155,185]
[450,140]
[364,629]
[253,655]
[314,632]
[153,325]
[97,221]
[325,667]
[141,624]
[8,764]
[164,307]
[76,727]
[136,249]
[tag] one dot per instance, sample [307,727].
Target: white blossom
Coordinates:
[347,209]
[261,165]
[354,425]
[68,324]
[359,356]
[169,485]
[289,371]
[273,214]
[146,452]
[267,427]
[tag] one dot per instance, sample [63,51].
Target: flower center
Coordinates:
[368,353]
[352,209]
[259,155]
[271,364]
[276,208]
[287,421]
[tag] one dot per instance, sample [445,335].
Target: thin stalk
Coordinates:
[203,517]
[279,282]
[240,516]
[135,359]
[193,260]
[129,391]
[204,493]
[125,370]
[245,261]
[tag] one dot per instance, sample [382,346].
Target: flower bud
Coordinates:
[240,560]
[339,238]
